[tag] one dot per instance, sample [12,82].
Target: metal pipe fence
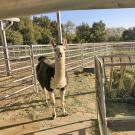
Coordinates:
[21,77]
[24,58]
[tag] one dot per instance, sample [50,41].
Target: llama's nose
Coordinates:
[60,54]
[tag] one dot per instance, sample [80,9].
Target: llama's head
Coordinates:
[60,49]
[41,58]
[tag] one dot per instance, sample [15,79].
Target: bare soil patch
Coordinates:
[27,113]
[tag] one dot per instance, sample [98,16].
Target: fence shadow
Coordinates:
[24,123]
[35,103]
[93,128]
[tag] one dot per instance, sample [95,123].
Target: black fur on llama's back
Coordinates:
[45,71]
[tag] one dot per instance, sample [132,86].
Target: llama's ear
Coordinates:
[53,43]
[65,42]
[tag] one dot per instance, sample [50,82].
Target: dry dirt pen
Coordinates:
[115,92]
[23,111]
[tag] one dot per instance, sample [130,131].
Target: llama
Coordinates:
[53,76]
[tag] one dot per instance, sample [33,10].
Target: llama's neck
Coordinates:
[59,69]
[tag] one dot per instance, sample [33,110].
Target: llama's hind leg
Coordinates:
[62,94]
[52,98]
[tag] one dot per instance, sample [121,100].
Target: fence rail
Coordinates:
[23,60]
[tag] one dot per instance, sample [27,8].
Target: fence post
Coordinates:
[106,48]
[93,48]
[33,69]
[82,56]
[5,49]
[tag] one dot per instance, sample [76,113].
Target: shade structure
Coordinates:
[13,8]
[12,19]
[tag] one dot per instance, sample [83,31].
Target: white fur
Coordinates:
[55,84]
[59,80]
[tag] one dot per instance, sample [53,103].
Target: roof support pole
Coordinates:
[5,49]
[59,27]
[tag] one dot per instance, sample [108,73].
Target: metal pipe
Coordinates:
[33,69]
[11,23]
[59,27]
[5,49]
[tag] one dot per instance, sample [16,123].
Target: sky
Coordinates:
[111,17]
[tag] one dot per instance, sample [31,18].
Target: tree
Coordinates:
[46,37]
[14,37]
[129,34]
[26,28]
[98,33]
[54,31]
[46,28]
[83,32]
[43,22]
[69,29]
[114,34]
[37,33]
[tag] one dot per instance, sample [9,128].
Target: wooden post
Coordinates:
[111,76]
[133,78]
[100,97]
[122,71]
[103,59]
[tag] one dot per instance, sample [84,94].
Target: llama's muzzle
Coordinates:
[60,55]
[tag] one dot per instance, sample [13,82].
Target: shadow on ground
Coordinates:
[92,129]
[34,103]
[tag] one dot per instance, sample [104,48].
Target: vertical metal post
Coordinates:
[33,69]
[5,49]
[94,49]
[59,27]
[106,49]
[82,55]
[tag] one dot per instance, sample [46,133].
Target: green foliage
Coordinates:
[26,28]
[98,33]
[43,22]
[38,33]
[129,35]
[83,33]
[54,30]
[46,37]
[14,37]
[40,30]
[46,28]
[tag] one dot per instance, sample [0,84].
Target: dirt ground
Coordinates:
[28,114]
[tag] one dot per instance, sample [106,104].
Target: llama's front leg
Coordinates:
[46,96]
[62,93]
[52,98]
